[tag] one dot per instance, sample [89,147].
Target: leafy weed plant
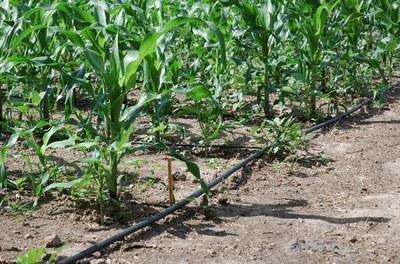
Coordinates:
[284,135]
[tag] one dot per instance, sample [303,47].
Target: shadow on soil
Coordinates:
[206,219]
[284,211]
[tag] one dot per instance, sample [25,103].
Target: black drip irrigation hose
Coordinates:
[154,218]
[337,118]
[347,113]
[201,146]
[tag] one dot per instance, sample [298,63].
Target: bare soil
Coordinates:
[339,203]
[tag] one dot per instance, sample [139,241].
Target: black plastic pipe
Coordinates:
[202,146]
[349,112]
[154,218]
[336,118]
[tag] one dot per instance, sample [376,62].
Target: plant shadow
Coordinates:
[192,219]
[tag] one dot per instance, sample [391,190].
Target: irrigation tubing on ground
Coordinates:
[349,112]
[154,218]
[202,146]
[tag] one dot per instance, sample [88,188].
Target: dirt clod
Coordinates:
[222,200]
[179,176]
[52,241]
[353,240]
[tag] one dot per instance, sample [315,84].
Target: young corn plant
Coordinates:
[46,172]
[207,110]
[388,20]
[265,22]
[310,18]
[357,27]
[117,69]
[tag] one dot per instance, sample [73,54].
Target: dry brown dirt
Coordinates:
[339,203]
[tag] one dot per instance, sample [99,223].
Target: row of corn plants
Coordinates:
[68,70]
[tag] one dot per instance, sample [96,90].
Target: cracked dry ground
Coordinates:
[344,211]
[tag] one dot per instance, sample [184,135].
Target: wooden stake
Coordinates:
[170,182]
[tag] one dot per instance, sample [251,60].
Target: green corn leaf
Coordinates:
[18,58]
[13,139]
[96,60]
[321,16]
[332,4]
[40,124]
[115,62]
[190,109]
[101,15]
[3,175]
[230,2]
[180,90]
[23,108]
[200,92]
[204,186]
[36,97]
[73,79]
[91,35]
[63,185]
[130,56]
[84,145]
[373,63]
[47,136]
[74,38]
[63,7]
[287,90]
[116,106]
[191,166]
[299,76]
[349,19]
[23,35]
[62,143]
[3,154]
[129,116]
[82,15]
[124,138]
[31,11]
[149,43]
[44,61]
[384,17]
[216,132]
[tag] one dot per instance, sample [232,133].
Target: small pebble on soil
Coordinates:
[52,241]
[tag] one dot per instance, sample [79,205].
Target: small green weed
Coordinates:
[34,255]
[37,255]
[213,163]
[284,135]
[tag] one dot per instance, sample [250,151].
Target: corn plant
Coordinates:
[117,70]
[7,14]
[207,110]
[311,18]
[388,20]
[265,23]
[45,171]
